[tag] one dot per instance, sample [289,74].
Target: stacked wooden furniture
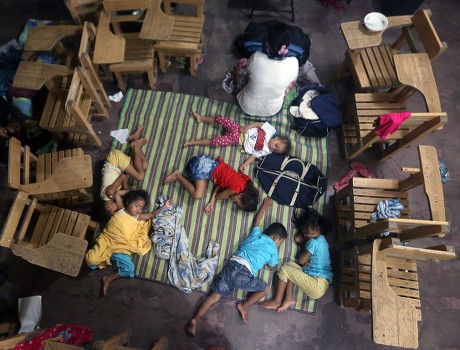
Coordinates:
[46,235]
[356,202]
[372,65]
[124,52]
[187,36]
[82,10]
[382,278]
[62,176]
[122,341]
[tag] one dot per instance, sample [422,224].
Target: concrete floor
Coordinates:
[151,310]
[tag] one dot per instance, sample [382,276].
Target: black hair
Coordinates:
[135,195]
[249,197]
[287,142]
[278,35]
[310,218]
[276,229]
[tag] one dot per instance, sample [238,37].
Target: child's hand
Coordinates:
[242,168]
[168,204]
[209,208]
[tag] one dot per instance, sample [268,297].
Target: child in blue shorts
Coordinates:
[257,250]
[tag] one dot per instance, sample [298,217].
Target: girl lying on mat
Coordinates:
[118,167]
[228,183]
[258,138]
[312,271]
[125,233]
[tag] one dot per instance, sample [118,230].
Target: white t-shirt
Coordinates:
[250,138]
[263,96]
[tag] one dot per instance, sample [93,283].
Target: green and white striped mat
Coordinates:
[168,123]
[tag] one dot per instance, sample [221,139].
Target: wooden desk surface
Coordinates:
[415,70]
[358,36]
[109,48]
[157,24]
[44,38]
[33,75]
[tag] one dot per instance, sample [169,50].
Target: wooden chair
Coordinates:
[82,10]
[187,36]
[138,54]
[356,203]
[383,278]
[122,341]
[62,176]
[85,53]
[68,113]
[358,129]
[46,235]
[373,67]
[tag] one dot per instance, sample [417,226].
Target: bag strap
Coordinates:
[305,166]
[292,175]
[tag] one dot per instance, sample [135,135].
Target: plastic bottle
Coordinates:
[445,176]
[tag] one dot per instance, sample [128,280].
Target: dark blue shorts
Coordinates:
[236,276]
[201,167]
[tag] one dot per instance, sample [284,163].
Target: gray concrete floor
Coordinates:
[151,310]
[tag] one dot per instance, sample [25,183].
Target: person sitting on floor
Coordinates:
[117,169]
[125,234]
[228,183]
[258,249]
[312,271]
[257,138]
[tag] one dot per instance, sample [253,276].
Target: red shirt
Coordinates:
[225,177]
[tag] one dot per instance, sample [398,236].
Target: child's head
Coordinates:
[277,232]
[248,198]
[310,224]
[13,127]
[110,206]
[279,38]
[279,144]
[135,201]
[3,132]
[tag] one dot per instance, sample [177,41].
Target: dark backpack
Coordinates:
[291,181]
[255,37]
[325,105]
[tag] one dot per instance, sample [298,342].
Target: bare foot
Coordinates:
[171,178]
[138,143]
[197,117]
[191,327]
[243,312]
[286,305]
[189,143]
[271,304]
[136,135]
[105,285]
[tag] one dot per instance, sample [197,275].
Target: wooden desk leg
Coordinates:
[162,59]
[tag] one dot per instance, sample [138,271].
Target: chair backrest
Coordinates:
[423,27]
[19,164]
[198,4]
[85,53]
[81,9]
[126,11]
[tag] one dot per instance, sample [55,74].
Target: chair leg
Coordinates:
[152,80]
[193,64]
[162,59]
[120,81]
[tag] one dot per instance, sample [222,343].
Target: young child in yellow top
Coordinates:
[258,139]
[125,234]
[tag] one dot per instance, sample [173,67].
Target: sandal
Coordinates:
[345,180]
[361,169]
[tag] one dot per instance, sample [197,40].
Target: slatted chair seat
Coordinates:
[373,68]
[382,278]
[186,38]
[358,129]
[356,203]
[62,176]
[45,235]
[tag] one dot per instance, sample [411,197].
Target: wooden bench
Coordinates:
[45,235]
[356,203]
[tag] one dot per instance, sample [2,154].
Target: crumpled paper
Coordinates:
[117,97]
[121,135]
